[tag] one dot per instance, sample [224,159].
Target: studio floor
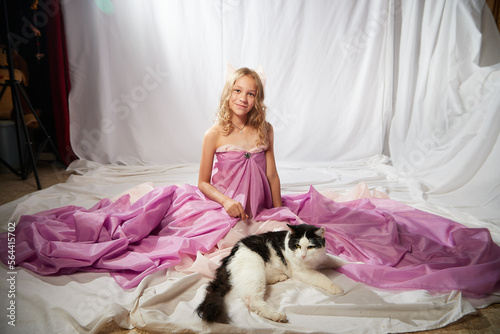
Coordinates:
[484,321]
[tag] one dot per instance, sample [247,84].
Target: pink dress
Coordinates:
[400,247]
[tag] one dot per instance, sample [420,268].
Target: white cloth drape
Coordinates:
[446,124]
[415,80]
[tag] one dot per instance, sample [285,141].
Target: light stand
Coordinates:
[21,128]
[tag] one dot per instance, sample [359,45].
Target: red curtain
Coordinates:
[59,80]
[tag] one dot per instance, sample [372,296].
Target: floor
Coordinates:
[13,187]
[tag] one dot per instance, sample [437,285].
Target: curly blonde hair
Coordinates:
[256,116]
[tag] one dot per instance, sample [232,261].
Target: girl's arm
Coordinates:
[232,207]
[271,170]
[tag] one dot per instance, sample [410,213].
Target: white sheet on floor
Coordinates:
[165,301]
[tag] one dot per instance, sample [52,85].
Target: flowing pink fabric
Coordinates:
[400,247]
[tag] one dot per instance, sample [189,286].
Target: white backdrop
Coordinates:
[415,80]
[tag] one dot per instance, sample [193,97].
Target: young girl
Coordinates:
[241,125]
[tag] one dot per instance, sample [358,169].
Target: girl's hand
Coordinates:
[234,209]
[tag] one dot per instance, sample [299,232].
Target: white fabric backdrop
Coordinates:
[446,124]
[415,80]
[328,65]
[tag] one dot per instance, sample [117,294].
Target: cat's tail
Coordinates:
[213,308]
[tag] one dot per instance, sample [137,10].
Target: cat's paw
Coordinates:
[269,313]
[278,317]
[277,278]
[334,289]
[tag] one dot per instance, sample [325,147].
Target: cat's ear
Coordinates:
[262,75]
[291,227]
[320,232]
[229,70]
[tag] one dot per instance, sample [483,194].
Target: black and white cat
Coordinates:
[263,259]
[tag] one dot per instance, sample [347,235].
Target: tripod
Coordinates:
[21,129]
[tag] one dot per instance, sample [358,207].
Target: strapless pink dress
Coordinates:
[400,247]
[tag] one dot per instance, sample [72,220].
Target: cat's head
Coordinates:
[306,242]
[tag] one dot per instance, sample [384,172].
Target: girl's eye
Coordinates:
[251,94]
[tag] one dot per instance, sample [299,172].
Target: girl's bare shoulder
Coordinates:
[214,131]
[213,135]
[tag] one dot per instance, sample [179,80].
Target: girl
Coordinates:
[241,125]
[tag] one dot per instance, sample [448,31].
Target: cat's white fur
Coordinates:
[250,274]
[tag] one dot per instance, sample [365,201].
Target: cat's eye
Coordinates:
[310,247]
[297,246]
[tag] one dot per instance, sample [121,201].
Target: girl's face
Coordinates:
[242,97]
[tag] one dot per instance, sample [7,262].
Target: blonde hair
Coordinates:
[256,116]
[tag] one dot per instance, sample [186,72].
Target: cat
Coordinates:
[263,259]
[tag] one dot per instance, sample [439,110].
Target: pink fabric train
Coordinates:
[400,247]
